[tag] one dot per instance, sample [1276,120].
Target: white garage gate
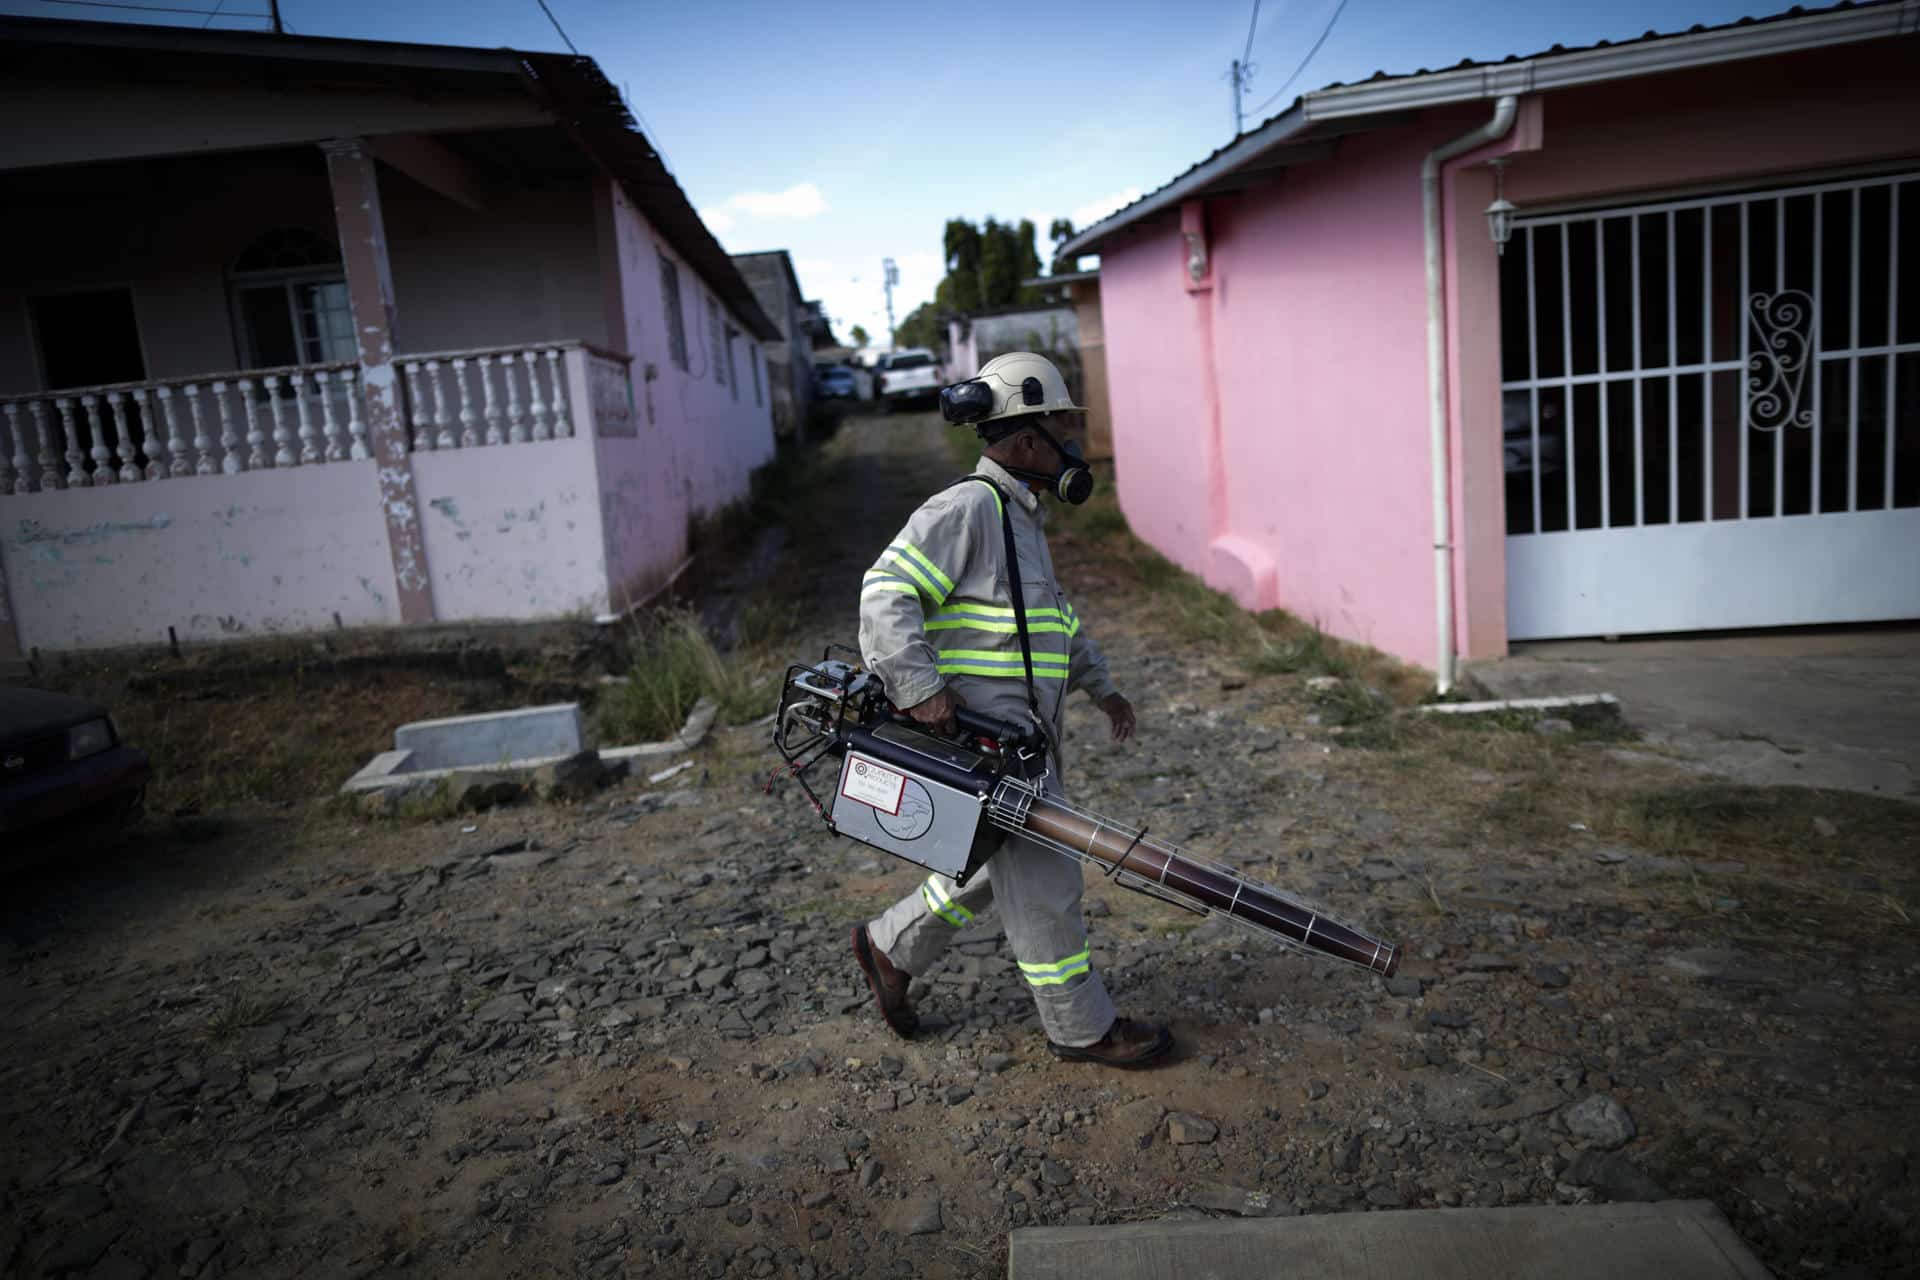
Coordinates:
[1712,412]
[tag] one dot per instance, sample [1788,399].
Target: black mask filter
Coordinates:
[1072,483]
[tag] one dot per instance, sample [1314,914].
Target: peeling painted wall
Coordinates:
[214,557]
[513,531]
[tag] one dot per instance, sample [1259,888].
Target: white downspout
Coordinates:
[1492,130]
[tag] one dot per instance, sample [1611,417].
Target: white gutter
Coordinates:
[1491,131]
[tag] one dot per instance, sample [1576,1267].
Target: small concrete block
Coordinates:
[494,739]
[1673,1239]
[382,770]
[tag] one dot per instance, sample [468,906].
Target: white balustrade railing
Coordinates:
[256,419]
[492,395]
[216,424]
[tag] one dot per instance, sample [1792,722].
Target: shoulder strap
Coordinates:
[1015,590]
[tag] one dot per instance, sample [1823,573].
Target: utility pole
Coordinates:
[1238,77]
[274,5]
[891,274]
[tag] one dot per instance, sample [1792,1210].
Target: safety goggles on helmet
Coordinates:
[973,400]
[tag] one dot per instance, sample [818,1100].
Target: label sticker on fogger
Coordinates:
[872,783]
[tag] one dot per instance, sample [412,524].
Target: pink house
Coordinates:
[1683,392]
[300,333]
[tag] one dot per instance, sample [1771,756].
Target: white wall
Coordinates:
[512,531]
[215,557]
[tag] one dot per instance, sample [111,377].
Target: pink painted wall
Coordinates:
[1156,365]
[696,442]
[513,531]
[215,557]
[1317,323]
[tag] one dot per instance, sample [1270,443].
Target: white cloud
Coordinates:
[1094,210]
[802,200]
[718,221]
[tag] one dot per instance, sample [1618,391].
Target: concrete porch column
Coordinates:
[363,250]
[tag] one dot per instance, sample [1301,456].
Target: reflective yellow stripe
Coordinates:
[913,571]
[999,507]
[1048,975]
[944,912]
[1001,655]
[1003,628]
[939,891]
[966,607]
[1012,673]
[925,561]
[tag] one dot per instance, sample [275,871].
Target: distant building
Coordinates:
[789,362]
[302,333]
[1684,396]
[819,328]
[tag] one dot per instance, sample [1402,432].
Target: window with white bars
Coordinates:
[1727,358]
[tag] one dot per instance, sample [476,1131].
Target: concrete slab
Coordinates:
[1672,1239]
[1805,708]
[494,738]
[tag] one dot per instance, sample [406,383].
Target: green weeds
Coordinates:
[674,665]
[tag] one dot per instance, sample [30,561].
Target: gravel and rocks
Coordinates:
[623,1035]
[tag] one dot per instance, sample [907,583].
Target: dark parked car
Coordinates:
[837,381]
[62,757]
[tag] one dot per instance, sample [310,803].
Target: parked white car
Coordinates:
[906,375]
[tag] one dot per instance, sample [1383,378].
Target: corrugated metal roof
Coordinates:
[1301,110]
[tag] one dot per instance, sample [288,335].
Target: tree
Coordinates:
[859,333]
[1060,232]
[925,326]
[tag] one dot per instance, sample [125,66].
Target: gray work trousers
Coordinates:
[1038,893]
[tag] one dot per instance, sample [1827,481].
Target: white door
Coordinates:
[1712,412]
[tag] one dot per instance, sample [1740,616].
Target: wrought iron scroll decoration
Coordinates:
[1777,366]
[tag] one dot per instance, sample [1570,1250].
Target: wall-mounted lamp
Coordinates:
[1500,212]
[1196,256]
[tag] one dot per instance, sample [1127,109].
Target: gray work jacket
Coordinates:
[935,609]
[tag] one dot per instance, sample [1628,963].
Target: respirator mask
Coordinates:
[973,401]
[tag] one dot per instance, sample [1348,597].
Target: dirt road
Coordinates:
[625,1038]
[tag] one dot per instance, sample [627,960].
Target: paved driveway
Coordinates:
[1819,709]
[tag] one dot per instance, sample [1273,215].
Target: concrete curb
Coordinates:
[389,770]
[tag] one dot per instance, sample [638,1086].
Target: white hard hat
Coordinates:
[1010,386]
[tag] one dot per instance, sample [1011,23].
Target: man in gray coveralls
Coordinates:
[937,624]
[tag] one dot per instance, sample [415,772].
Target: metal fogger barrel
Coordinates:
[944,804]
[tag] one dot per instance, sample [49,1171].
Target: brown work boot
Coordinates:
[1126,1044]
[889,984]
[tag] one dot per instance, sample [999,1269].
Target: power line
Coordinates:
[1252,22]
[557,27]
[1324,33]
[625,99]
[218,5]
[156,8]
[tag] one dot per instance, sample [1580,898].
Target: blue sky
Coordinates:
[848,133]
